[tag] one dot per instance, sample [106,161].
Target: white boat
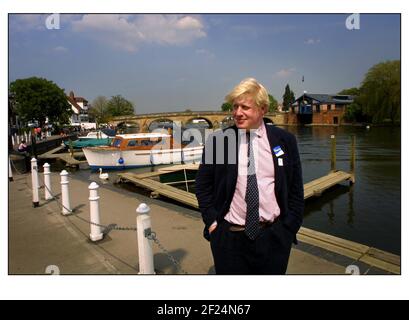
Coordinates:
[141,149]
[100,134]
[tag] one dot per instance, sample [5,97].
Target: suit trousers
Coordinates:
[234,253]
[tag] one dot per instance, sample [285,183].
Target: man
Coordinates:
[252,202]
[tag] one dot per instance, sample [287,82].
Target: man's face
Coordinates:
[246,114]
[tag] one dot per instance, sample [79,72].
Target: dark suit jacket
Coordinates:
[216,182]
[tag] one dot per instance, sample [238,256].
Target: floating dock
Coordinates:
[371,256]
[148,181]
[67,157]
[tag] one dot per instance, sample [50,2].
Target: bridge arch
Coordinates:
[199,120]
[159,123]
[128,127]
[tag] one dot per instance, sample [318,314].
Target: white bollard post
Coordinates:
[18,139]
[25,136]
[12,140]
[47,182]
[34,181]
[96,232]
[10,171]
[66,208]
[143,225]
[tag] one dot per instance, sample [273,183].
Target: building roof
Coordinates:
[73,100]
[327,98]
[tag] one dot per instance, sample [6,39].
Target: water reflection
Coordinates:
[369,212]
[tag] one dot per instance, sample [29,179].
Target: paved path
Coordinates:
[41,237]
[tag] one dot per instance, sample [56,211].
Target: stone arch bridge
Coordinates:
[214,119]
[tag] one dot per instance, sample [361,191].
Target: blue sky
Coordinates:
[176,62]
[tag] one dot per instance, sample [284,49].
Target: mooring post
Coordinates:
[143,225]
[96,232]
[333,153]
[34,181]
[187,186]
[65,195]
[10,171]
[71,149]
[47,182]
[352,160]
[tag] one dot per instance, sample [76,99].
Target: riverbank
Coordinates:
[42,237]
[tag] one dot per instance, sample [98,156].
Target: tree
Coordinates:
[38,99]
[288,98]
[350,92]
[380,92]
[353,112]
[99,109]
[273,104]
[119,106]
[227,107]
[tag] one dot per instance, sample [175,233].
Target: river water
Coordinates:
[369,212]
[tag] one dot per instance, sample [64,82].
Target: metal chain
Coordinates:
[111,227]
[152,236]
[53,196]
[14,166]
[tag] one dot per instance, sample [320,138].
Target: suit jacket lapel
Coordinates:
[272,139]
[231,169]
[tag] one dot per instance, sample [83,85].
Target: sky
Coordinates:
[168,63]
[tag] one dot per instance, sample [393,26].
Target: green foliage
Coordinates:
[99,110]
[288,98]
[119,106]
[227,107]
[353,112]
[273,104]
[350,92]
[380,92]
[38,98]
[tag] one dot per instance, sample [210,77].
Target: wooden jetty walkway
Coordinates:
[148,181]
[67,157]
[381,259]
[358,252]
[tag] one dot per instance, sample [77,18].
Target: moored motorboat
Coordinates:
[141,149]
[102,137]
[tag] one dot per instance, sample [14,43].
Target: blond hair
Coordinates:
[250,87]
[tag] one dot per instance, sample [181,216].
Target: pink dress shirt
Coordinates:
[269,209]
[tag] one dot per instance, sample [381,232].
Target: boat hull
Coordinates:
[109,158]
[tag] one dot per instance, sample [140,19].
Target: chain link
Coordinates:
[110,227]
[53,196]
[152,236]
[14,166]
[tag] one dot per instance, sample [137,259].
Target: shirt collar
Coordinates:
[260,131]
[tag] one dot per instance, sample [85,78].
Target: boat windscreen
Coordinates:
[116,143]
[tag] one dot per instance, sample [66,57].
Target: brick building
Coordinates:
[319,109]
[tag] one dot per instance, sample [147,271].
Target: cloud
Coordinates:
[60,49]
[205,53]
[130,32]
[284,73]
[312,41]
[27,22]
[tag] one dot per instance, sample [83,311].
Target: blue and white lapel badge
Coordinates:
[277,151]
